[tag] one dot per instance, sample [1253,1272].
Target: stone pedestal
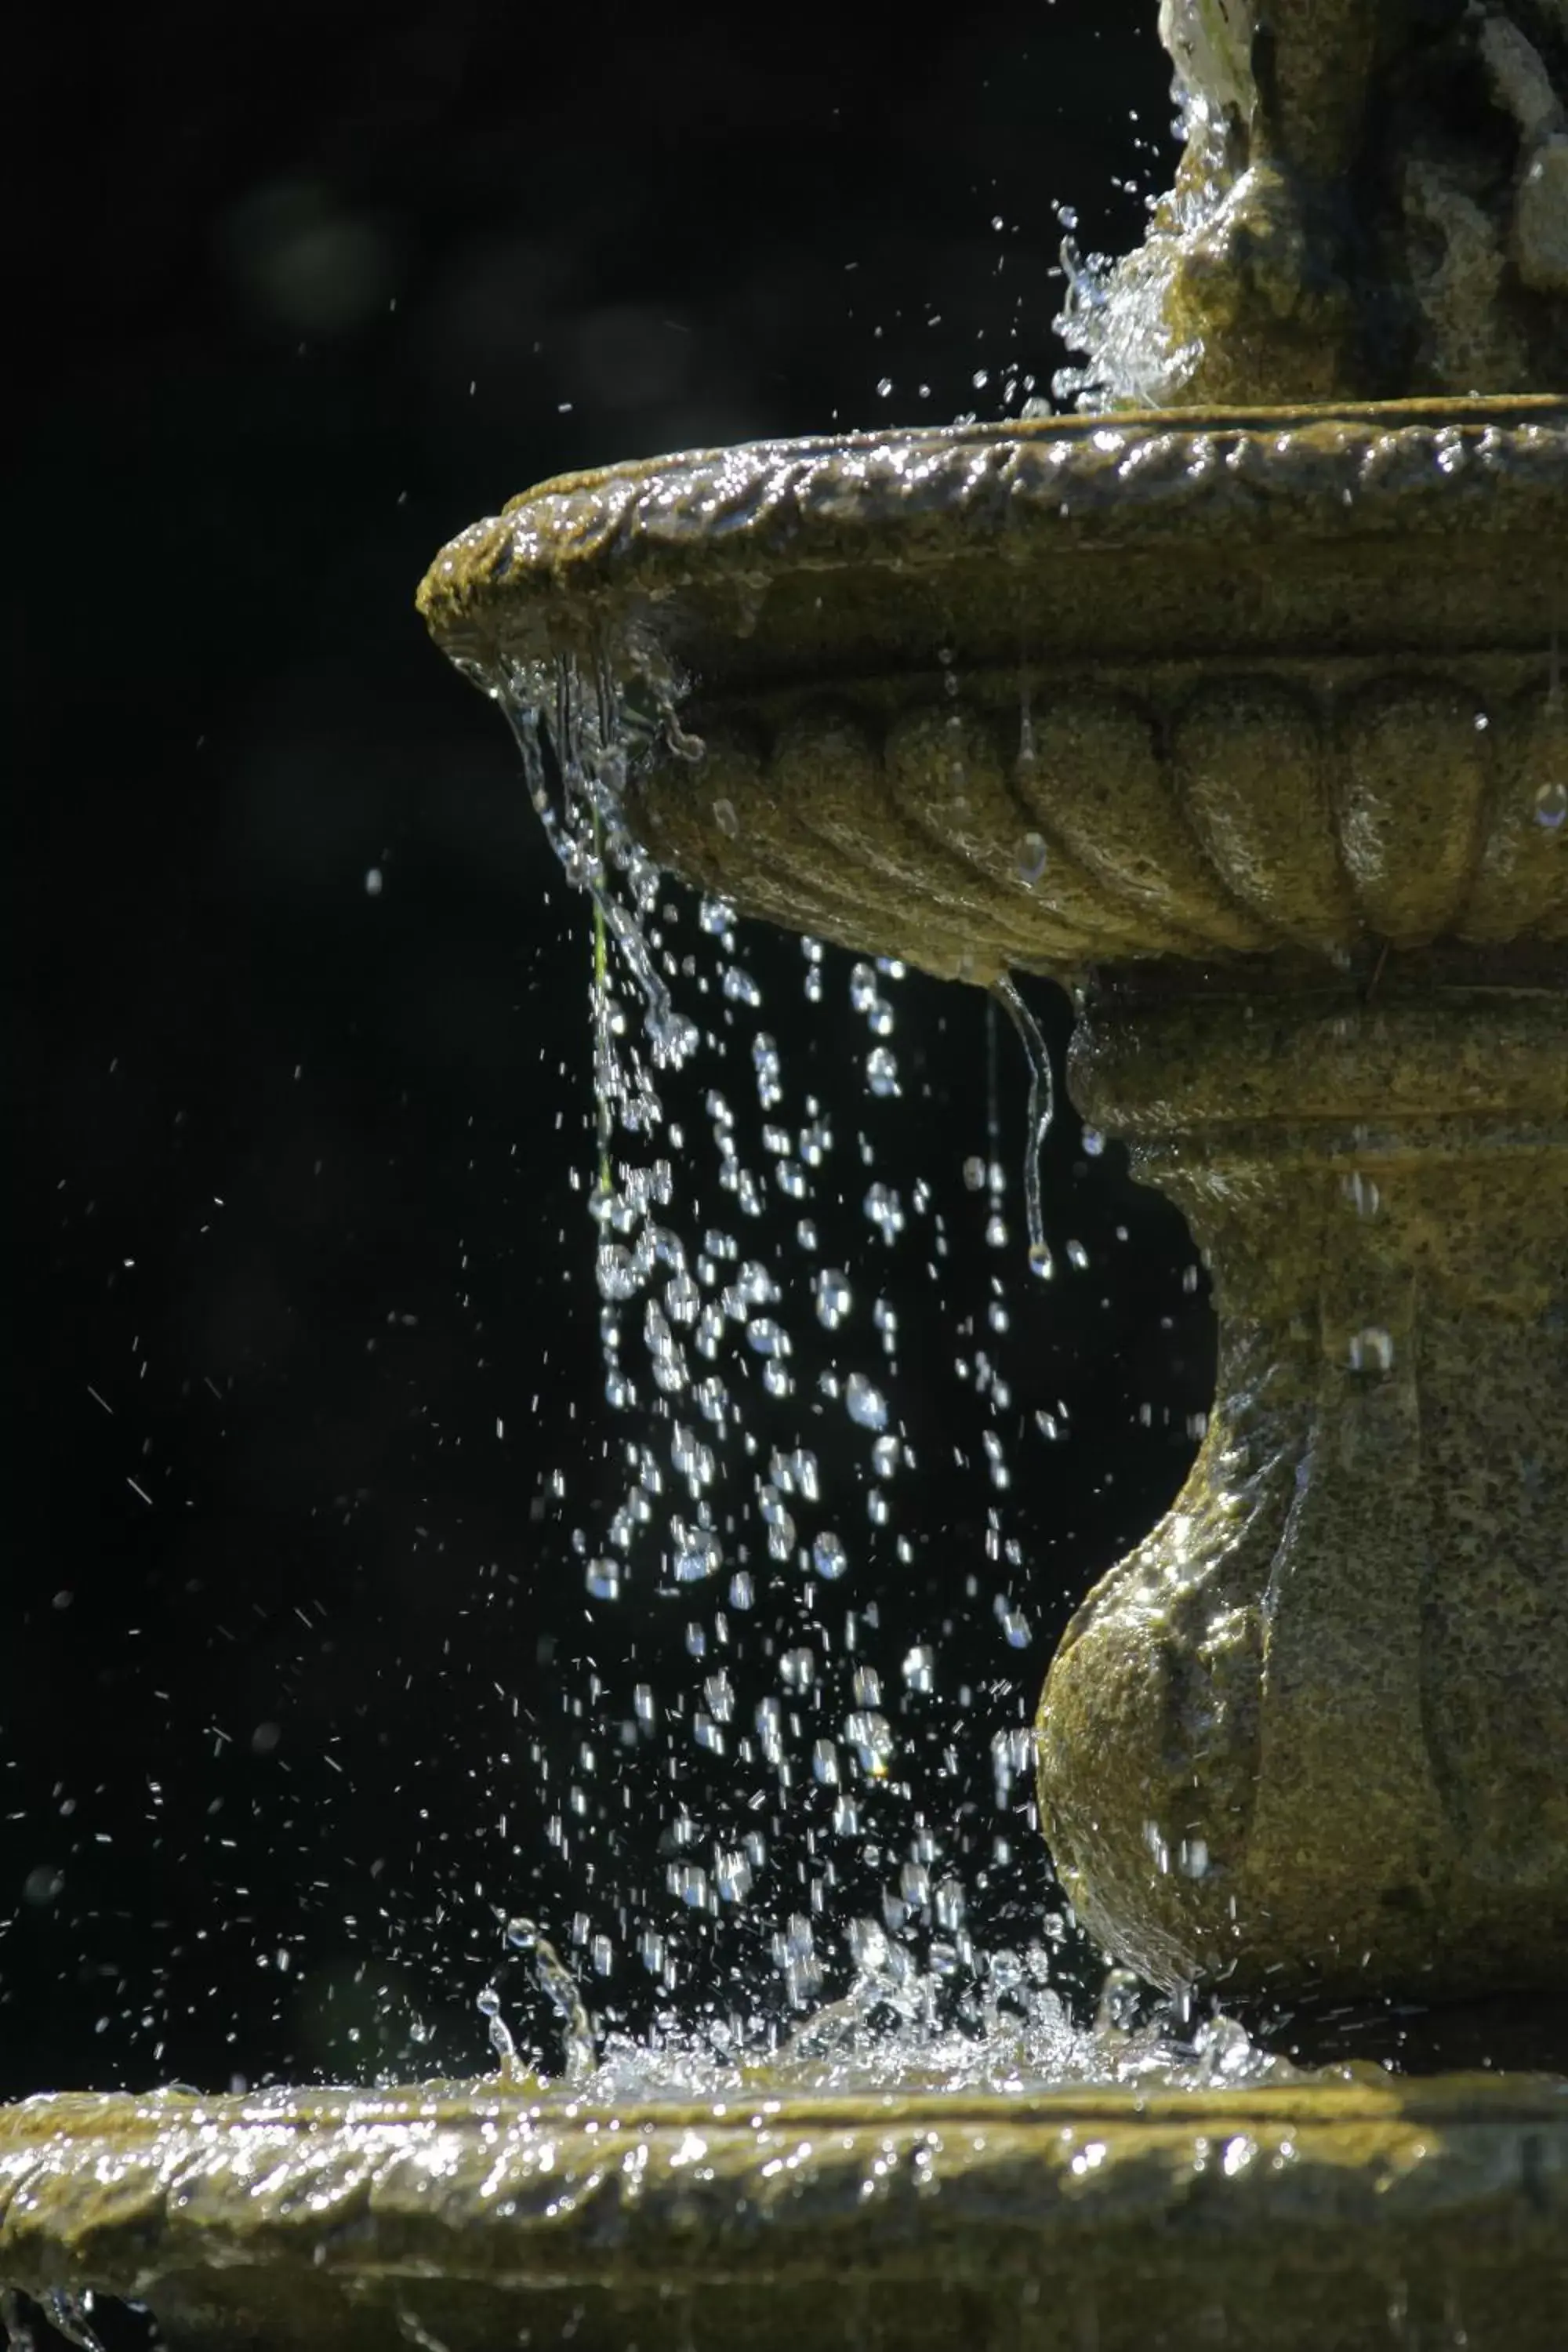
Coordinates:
[1311,1736]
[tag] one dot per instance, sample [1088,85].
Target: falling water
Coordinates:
[1041,1111]
[748,1347]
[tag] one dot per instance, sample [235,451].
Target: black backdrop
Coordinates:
[304,290]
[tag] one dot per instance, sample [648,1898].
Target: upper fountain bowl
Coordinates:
[1269,683]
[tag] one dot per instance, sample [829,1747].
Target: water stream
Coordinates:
[771,1483]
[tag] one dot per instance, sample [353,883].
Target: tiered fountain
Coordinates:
[1242,715]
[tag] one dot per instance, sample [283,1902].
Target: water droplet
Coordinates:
[1360,1190]
[733,1877]
[755,1284]
[864,1404]
[1552,804]
[871,1735]
[696,1555]
[688,1881]
[829,1556]
[1371,1350]
[1014,1626]
[949,1904]
[682,1299]
[831,1295]
[725,818]
[1032,858]
[616,1272]
[884,1209]
[882,1071]
[603,1578]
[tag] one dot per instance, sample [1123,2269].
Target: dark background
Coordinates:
[294,1225]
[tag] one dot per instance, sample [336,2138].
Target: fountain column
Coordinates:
[1312,1736]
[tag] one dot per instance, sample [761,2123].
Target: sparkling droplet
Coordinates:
[1032,858]
[603,1578]
[1552,804]
[829,1556]
[884,1209]
[831,1293]
[882,1071]
[1371,1350]
[864,1404]
[871,1735]
[919,1668]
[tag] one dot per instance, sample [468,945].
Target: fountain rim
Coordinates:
[113,2191]
[582,555]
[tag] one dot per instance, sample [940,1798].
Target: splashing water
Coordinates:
[555,1982]
[1115,311]
[758,1387]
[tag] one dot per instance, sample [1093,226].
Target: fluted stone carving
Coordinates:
[1312,1734]
[1225,815]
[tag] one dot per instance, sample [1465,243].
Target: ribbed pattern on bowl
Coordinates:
[1241,812]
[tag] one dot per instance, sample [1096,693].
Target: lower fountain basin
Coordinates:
[1350,2210]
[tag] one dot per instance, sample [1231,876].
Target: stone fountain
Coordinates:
[1242,715]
